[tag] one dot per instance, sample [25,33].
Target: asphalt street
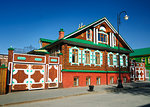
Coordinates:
[136,97]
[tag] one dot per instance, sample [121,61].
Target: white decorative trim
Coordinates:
[100,58]
[14,81]
[85,57]
[102,33]
[71,55]
[84,28]
[97,36]
[94,34]
[109,59]
[89,30]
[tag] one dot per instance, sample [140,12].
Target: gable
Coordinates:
[94,28]
[93,33]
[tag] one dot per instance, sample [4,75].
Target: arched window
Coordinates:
[89,34]
[102,28]
[97,57]
[111,59]
[102,36]
[75,55]
[87,57]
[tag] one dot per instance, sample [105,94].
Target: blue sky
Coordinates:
[24,22]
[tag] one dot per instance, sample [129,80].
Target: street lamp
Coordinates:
[126,17]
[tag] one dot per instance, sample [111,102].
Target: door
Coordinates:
[53,76]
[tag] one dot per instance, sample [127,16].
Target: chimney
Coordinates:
[61,33]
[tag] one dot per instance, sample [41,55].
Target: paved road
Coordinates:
[137,97]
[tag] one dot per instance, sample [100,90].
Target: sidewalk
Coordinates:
[51,94]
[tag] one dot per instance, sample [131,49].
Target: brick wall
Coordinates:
[68,78]
[103,67]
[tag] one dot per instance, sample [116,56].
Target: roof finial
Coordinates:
[81,25]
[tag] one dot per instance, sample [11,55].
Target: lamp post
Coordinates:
[118,23]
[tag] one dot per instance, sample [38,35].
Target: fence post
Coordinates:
[10,66]
[60,68]
[46,71]
[3,79]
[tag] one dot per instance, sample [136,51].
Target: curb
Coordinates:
[55,98]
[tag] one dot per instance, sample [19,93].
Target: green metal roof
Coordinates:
[82,41]
[140,52]
[47,40]
[94,71]
[92,43]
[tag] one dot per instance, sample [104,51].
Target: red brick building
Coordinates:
[90,55]
[87,56]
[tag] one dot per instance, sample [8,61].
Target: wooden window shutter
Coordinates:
[121,60]
[79,57]
[101,58]
[70,55]
[126,60]
[108,59]
[93,57]
[83,57]
[115,60]
[90,57]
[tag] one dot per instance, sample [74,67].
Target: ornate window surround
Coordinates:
[125,59]
[109,59]
[70,55]
[90,35]
[83,56]
[101,58]
[102,32]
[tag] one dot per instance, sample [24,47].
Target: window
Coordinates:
[98,80]
[124,79]
[117,56]
[111,80]
[143,60]
[114,38]
[97,57]
[88,34]
[75,55]
[87,57]
[124,60]
[88,81]
[111,59]
[76,81]
[102,37]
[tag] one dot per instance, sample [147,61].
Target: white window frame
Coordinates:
[99,59]
[125,60]
[78,56]
[109,59]
[90,30]
[101,32]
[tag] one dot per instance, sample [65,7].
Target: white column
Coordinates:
[110,39]
[97,36]
[94,34]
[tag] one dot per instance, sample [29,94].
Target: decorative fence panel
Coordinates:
[29,72]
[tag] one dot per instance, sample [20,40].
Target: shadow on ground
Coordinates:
[147,105]
[135,88]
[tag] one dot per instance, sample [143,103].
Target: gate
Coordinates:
[29,72]
[137,71]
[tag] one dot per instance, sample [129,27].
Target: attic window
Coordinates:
[102,28]
[89,34]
